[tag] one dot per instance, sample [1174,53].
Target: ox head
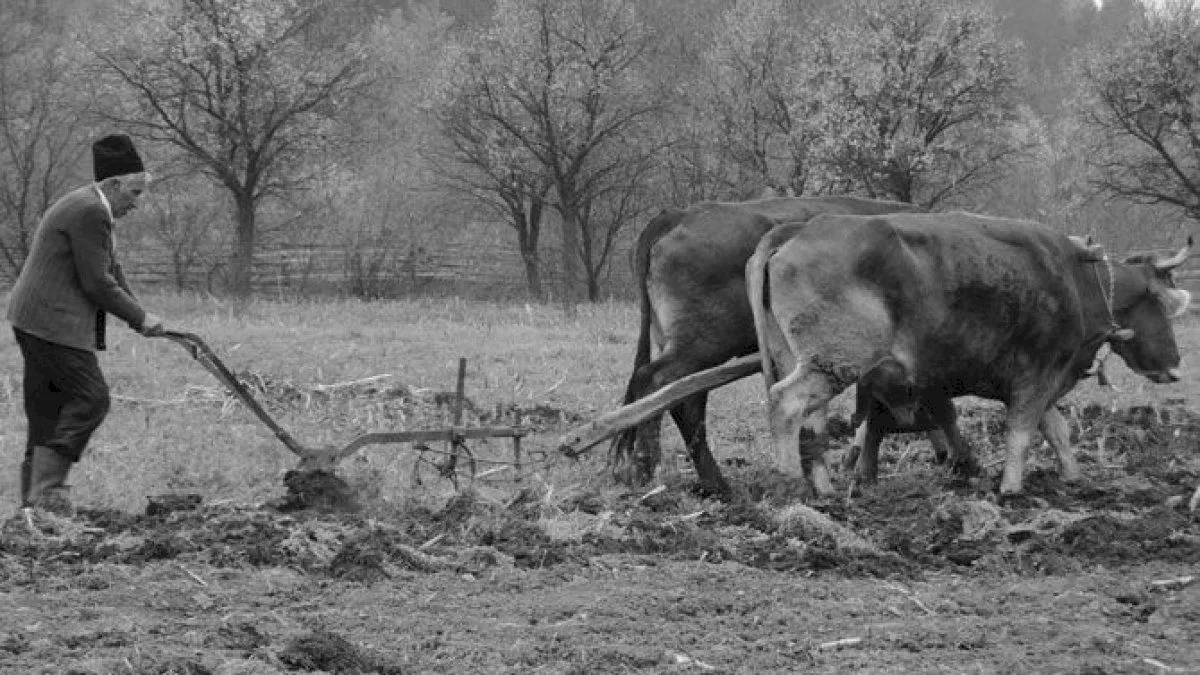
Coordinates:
[891,383]
[1144,303]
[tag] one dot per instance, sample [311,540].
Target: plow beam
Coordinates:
[585,436]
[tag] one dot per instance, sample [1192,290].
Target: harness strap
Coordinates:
[1108,297]
[1097,368]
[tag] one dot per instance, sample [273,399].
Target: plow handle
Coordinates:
[201,352]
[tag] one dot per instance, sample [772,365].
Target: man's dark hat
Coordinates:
[115,156]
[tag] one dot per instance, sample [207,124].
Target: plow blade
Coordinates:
[583,437]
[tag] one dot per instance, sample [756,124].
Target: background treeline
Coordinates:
[515,147]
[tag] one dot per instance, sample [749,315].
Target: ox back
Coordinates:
[690,267]
[969,305]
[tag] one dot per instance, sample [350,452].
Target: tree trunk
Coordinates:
[529,226]
[243,255]
[533,273]
[570,259]
[179,266]
[593,287]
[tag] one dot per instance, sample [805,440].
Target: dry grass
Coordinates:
[171,429]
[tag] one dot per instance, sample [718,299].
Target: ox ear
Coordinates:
[1175,301]
[1168,264]
[1086,251]
[1122,335]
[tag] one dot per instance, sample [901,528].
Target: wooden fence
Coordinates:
[471,270]
[484,271]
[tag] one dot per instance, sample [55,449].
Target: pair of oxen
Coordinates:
[914,308]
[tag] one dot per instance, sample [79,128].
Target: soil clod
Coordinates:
[319,490]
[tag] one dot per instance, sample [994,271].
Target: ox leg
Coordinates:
[689,417]
[961,455]
[797,412]
[1054,427]
[941,446]
[850,459]
[638,452]
[1017,442]
[948,444]
[814,442]
[634,453]
[646,453]
[1022,421]
[867,469]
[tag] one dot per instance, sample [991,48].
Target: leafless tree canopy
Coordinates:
[388,146]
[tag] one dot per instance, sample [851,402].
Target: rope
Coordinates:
[1108,298]
[1098,363]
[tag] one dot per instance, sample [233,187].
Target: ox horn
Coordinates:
[1122,334]
[1175,260]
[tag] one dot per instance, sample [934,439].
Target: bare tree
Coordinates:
[246,89]
[477,163]
[750,63]
[1141,107]
[605,215]
[41,126]
[184,220]
[553,88]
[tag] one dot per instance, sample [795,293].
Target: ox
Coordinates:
[690,266]
[969,305]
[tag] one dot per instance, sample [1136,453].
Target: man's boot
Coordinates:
[47,481]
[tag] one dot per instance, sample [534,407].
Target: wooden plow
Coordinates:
[457,463]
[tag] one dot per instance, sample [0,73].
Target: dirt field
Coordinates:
[921,573]
[565,571]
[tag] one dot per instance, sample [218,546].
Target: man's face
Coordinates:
[128,188]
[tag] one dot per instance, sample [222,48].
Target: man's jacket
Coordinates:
[71,279]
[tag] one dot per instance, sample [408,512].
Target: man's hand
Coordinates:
[152,325]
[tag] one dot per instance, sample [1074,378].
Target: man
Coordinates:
[57,308]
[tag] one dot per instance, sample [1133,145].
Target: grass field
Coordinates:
[566,571]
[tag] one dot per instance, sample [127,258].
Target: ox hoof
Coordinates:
[1021,500]
[1011,488]
[866,477]
[1074,477]
[717,489]
[818,479]
[626,474]
[967,468]
[850,458]
[824,492]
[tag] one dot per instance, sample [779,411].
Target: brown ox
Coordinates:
[970,305]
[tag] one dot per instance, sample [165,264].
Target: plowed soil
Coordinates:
[923,572]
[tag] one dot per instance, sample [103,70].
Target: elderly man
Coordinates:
[69,283]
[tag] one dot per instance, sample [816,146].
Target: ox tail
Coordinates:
[655,230]
[760,303]
[757,287]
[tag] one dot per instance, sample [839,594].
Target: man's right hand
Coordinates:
[152,325]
